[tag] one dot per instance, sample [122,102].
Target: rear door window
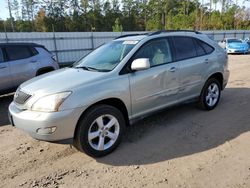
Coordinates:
[184,47]
[209,49]
[17,52]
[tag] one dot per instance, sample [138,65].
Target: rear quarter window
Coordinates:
[33,51]
[200,50]
[208,49]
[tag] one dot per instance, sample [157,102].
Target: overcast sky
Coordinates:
[4,11]
[5,14]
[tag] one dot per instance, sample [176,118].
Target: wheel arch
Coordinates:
[115,102]
[44,70]
[218,76]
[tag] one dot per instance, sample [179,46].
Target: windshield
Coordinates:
[234,40]
[106,57]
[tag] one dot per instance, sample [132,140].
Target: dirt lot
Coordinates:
[180,147]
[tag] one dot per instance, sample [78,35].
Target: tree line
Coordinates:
[124,15]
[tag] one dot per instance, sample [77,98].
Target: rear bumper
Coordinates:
[225,78]
[46,126]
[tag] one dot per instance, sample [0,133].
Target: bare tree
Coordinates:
[223,4]
[15,8]
[11,17]
[215,2]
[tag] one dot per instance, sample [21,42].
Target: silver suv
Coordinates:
[118,83]
[20,62]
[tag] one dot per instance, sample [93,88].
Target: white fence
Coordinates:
[70,46]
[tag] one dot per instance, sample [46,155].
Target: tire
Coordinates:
[210,94]
[44,71]
[96,128]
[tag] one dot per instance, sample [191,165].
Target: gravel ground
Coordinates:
[179,147]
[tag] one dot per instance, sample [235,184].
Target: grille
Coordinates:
[21,97]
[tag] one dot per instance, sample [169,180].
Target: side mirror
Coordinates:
[140,64]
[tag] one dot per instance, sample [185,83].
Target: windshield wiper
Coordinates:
[92,69]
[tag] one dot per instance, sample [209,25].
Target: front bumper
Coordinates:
[237,51]
[62,123]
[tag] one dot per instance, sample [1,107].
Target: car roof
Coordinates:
[20,44]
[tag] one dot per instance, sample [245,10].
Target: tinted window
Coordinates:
[17,52]
[33,51]
[209,49]
[1,56]
[184,47]
[199,49]
[157,51]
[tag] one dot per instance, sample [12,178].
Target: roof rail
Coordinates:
[166,31]
[131,35]
[20,44]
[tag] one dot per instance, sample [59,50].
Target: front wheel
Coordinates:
[99,131]
[210,94]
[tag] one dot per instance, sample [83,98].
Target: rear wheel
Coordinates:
[44,71]
[99,131]
[210,94]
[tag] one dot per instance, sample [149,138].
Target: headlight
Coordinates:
[50,103]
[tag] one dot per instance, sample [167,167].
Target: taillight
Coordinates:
[53,57]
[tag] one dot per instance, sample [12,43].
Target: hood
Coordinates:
[61,80]
[237,45]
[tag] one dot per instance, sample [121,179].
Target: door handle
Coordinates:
[172,69]
[206,61]
[33,61]
[2,67]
